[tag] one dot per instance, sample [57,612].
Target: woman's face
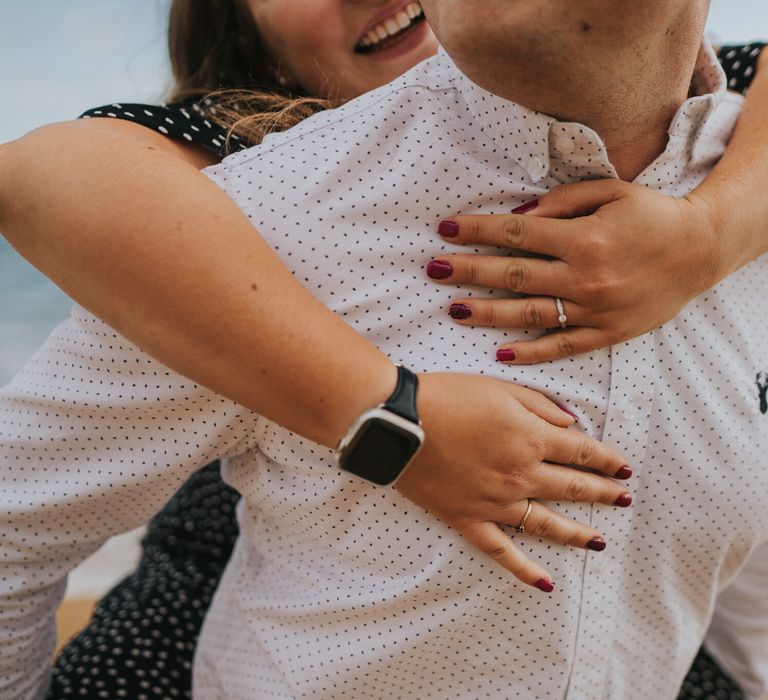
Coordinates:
[343,48]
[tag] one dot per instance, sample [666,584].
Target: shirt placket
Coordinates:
[626,428]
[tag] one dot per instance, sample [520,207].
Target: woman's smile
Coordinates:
[383,34]
[343,48]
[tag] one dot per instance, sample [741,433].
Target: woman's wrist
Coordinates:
[365,388]
[226,313]
[717,243]
[732,217]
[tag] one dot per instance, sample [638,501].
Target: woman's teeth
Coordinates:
[392,26]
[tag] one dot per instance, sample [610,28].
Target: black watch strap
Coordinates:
[403,398]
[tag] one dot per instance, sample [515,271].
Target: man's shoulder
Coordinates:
[384,110]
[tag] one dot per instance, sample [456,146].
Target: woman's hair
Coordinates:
[219,60]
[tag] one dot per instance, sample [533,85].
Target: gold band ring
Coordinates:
[521,527]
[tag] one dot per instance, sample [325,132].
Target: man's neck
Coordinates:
[627,93]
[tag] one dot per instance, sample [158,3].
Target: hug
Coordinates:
[554,479]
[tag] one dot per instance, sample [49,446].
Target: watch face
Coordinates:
[380,451]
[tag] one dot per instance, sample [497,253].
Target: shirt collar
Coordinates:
[544,146]
[522,133]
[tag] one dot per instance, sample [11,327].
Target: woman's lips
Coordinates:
[391,30]
[407,42]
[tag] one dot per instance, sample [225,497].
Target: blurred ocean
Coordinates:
[58,59]
[30,306]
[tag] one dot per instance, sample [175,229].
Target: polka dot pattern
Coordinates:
[706,681]
[471,619]
[338,607]
[187,121]
[141,640]
[95,437]
[740,64]
[191,514]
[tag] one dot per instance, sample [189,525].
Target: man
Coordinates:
[352,591]
[680,403]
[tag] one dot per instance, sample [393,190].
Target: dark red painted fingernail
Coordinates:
[565,410]
[460,311]
[439,269]
[448,229]
[544,584]
[623,501]
[505,354]
[525,208]
[623,473]
[596,544]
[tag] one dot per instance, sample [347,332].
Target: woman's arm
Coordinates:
[123,221]
[626,259]
[173,264]
[736,191]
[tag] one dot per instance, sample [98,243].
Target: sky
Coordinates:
[61,57]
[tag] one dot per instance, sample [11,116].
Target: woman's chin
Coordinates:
[380,67]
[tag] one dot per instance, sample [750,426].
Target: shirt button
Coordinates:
[629,414]
[626,410]
[601,568]
[536,164]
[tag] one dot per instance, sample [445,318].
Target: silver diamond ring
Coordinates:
[562,319]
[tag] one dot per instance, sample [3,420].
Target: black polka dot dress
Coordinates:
[191,122]
[740,64]
[141,640]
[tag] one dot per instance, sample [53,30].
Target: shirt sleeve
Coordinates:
[738,635]
[95,437]
[740,64]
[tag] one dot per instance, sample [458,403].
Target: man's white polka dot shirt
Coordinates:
[339,589]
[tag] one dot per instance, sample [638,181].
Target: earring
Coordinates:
[281,80]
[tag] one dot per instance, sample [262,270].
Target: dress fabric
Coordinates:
[186,121]
[141,640]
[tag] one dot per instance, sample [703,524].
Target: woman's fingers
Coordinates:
[555,346]
[539,225]
[540,522]
[543,407]
[490,539]
[531,312]
[575,448]
[521,275]
[550,525]
[625,260]
[558,483]
[513,231]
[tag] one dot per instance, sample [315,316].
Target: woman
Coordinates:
[656,319]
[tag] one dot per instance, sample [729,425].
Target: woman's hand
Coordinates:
[624,261]
[502,445]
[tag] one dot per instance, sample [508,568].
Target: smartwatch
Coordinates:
[382,441]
